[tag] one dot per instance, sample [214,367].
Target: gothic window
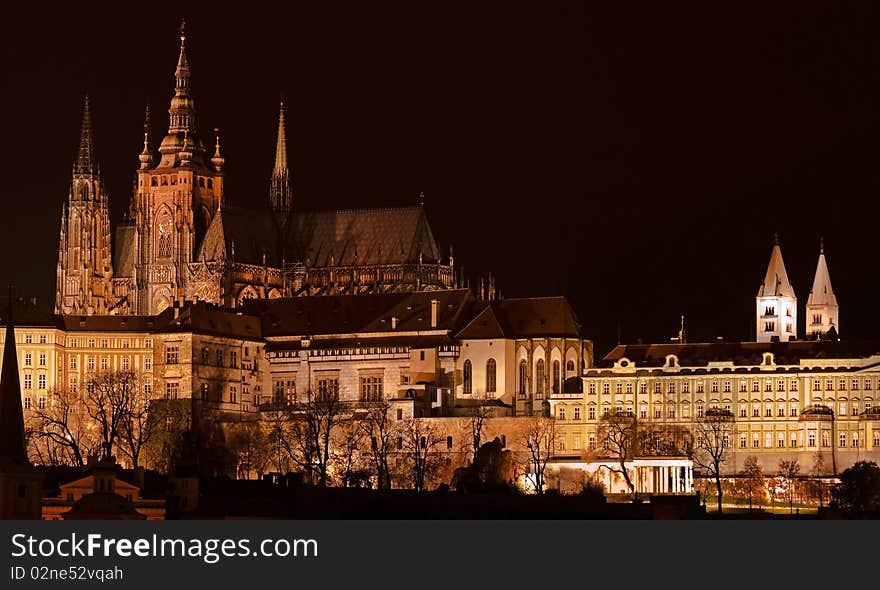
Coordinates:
[523,377]
[555,376]
[769,326]
[539,379]
[569,366]
[490,376]
[468,377]
[769,311]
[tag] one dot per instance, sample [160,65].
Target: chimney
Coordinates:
[435,304]
[393,323]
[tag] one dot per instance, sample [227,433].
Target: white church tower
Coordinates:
[776,308]
[822,310]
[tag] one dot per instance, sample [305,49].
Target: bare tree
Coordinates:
[618,435]
[139,422]
[278,439]
[713,434]
[346,454]
[64,424]
[477,415]
[420,440]
[312,425]
[788,471]
[379,429]
[753,477]
[107,400]
[248,444]
[169,421]
[538,438]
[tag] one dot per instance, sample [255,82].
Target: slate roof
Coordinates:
[203,319]
[321,238]
[533,317]
[123,251]
[364,313]
[740,353]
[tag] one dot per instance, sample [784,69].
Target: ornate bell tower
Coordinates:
[175,201]
[84,273]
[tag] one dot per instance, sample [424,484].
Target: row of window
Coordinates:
[29,381]
[125,363]
[468,376]
[796,440]
[165,180]
[700,412]
[756,385]
[106,343]
[540,378]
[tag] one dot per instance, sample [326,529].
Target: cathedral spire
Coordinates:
[822,308]
[146,156]
[182,110]
[12,441]
[280,190]
[776,303]
[85,161]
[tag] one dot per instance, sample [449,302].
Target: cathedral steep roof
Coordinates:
[363,236]
[822,293]
[322,238]
[776,281]
[533,317]
[123,251]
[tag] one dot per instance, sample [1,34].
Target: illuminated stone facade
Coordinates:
[182,241]
[789,401]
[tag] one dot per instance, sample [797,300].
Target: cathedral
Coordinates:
[180,240]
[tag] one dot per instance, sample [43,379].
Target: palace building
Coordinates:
[182,241]
[788,399]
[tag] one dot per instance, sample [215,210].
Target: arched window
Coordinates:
[539,379]
[555,376]
[468,377]
[523,377]
[210,184]
[490,376]
[569,366]
[201,182]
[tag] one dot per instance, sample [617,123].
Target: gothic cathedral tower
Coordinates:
[84,273]
[280,193]
[776,303]
[175,201]
[822,310]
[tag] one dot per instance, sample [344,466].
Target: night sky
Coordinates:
[637,160]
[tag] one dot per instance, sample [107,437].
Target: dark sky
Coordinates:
[637,160]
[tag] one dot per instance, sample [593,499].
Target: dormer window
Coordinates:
[671,360]
[768,360]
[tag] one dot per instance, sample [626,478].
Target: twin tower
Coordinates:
[776,303]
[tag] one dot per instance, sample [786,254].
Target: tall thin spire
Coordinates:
[146,157]
[281,147]
[280,189]
[182,111]
[776,302]
[85,161]
[822,310]
[12,441]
